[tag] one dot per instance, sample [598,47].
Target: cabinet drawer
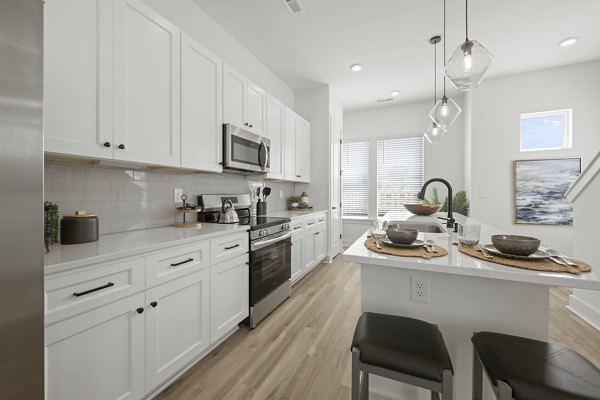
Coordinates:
[177,262]
[320,220]
[227,247]
[296,227]
[68,295]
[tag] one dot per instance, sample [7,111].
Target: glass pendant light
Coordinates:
[445,111]
[435,132]
[469,62]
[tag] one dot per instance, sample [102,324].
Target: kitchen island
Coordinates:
[462,295]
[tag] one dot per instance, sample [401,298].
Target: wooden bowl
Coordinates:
[423,209]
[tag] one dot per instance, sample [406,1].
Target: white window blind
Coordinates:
[355,179]
[399,172]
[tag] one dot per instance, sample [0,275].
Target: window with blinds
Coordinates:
[355,179]
[399,172]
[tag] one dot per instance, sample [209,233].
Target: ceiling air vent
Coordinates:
[294,6]
[385,100]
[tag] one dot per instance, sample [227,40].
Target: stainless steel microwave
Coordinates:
[245,152]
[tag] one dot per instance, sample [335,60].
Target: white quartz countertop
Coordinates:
[457,263]
[118,245]
[294,214]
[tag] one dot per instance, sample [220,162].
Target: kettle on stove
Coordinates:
[228,215]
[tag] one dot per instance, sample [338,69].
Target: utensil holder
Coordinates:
[261,208]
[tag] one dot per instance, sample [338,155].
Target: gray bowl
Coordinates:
[401,235]
[516,245]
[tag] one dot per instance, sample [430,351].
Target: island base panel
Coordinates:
[459,305]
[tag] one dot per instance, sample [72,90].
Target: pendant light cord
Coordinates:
[467,19]
[444,62]
[434,73]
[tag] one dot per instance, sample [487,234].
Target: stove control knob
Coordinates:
[285,227]
[261,232]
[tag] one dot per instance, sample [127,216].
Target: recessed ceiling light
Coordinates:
[356,67]
[568,41]
[395,93]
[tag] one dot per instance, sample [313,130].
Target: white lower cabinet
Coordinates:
[229,295]
[297,257]
[98,355]
[132,335]
[309,251]
[319,238]
[177,325]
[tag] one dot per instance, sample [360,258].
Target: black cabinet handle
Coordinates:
[316,233]
[246,124]
[122,146]
[232,247]
[298,176]
[182,262]
[310,223]
[107,144]
[297,227]
[109,284]
[250,125]
[154,303]
[140,310]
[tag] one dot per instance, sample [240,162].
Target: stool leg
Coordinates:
[364,387]
[447,385]
[355,374]
[477,378]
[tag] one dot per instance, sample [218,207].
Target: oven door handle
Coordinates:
[264,243]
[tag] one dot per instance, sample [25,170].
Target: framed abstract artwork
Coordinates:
[539,188]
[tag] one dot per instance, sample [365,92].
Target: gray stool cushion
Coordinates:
[537,370]
[401,344]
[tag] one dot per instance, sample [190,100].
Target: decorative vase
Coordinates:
[304,197]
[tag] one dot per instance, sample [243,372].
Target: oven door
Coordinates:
[245,151]
[270,265]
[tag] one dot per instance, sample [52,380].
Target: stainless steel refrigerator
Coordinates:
[21,201]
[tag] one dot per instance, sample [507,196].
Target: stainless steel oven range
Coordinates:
[270,253]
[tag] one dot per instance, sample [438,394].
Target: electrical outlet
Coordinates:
[320,194]
[483,193]
[419,289]
[177,193]
[281,194]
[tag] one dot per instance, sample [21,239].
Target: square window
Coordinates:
[548,130]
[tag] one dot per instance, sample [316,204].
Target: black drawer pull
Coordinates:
[232,247]
[140,310]
[182,262]
[297,227]
[109,284]
[310,223]
[154,303]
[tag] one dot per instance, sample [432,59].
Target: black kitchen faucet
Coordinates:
[450,220]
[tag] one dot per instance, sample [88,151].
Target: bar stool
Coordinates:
[525,369]
[403,349]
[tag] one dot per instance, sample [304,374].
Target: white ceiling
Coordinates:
[391,39]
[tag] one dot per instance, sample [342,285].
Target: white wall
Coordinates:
[496,108]
[196,23]
[444,159]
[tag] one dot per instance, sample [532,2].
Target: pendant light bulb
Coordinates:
[435,133]
[444,109]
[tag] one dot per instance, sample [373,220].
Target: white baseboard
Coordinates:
[586,312]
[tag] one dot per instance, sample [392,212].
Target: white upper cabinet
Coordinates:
[244,103]
[275,131]
[297,149]
[201,107]
[78,77]
[146,85]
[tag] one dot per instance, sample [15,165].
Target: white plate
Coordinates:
[413,245]
[538,255]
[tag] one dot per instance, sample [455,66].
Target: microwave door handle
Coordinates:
[260,158]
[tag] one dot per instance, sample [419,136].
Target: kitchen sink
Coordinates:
[428,227]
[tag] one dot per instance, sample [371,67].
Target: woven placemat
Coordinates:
[395,251]
[538,265]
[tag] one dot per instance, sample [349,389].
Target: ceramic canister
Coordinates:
[79,228]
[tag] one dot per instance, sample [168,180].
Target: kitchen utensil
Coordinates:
[266,193]
[401,235]
[258,193]
[423,209]
[431,244]
[228,214]
[79,228]
[481,249]
[538,255]
[378,228]
[556,254]
[516,245]
[468,234]
[557,261]
[417,243]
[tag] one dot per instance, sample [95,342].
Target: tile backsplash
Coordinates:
[127,199]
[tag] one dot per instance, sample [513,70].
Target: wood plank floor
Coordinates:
[302,351]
